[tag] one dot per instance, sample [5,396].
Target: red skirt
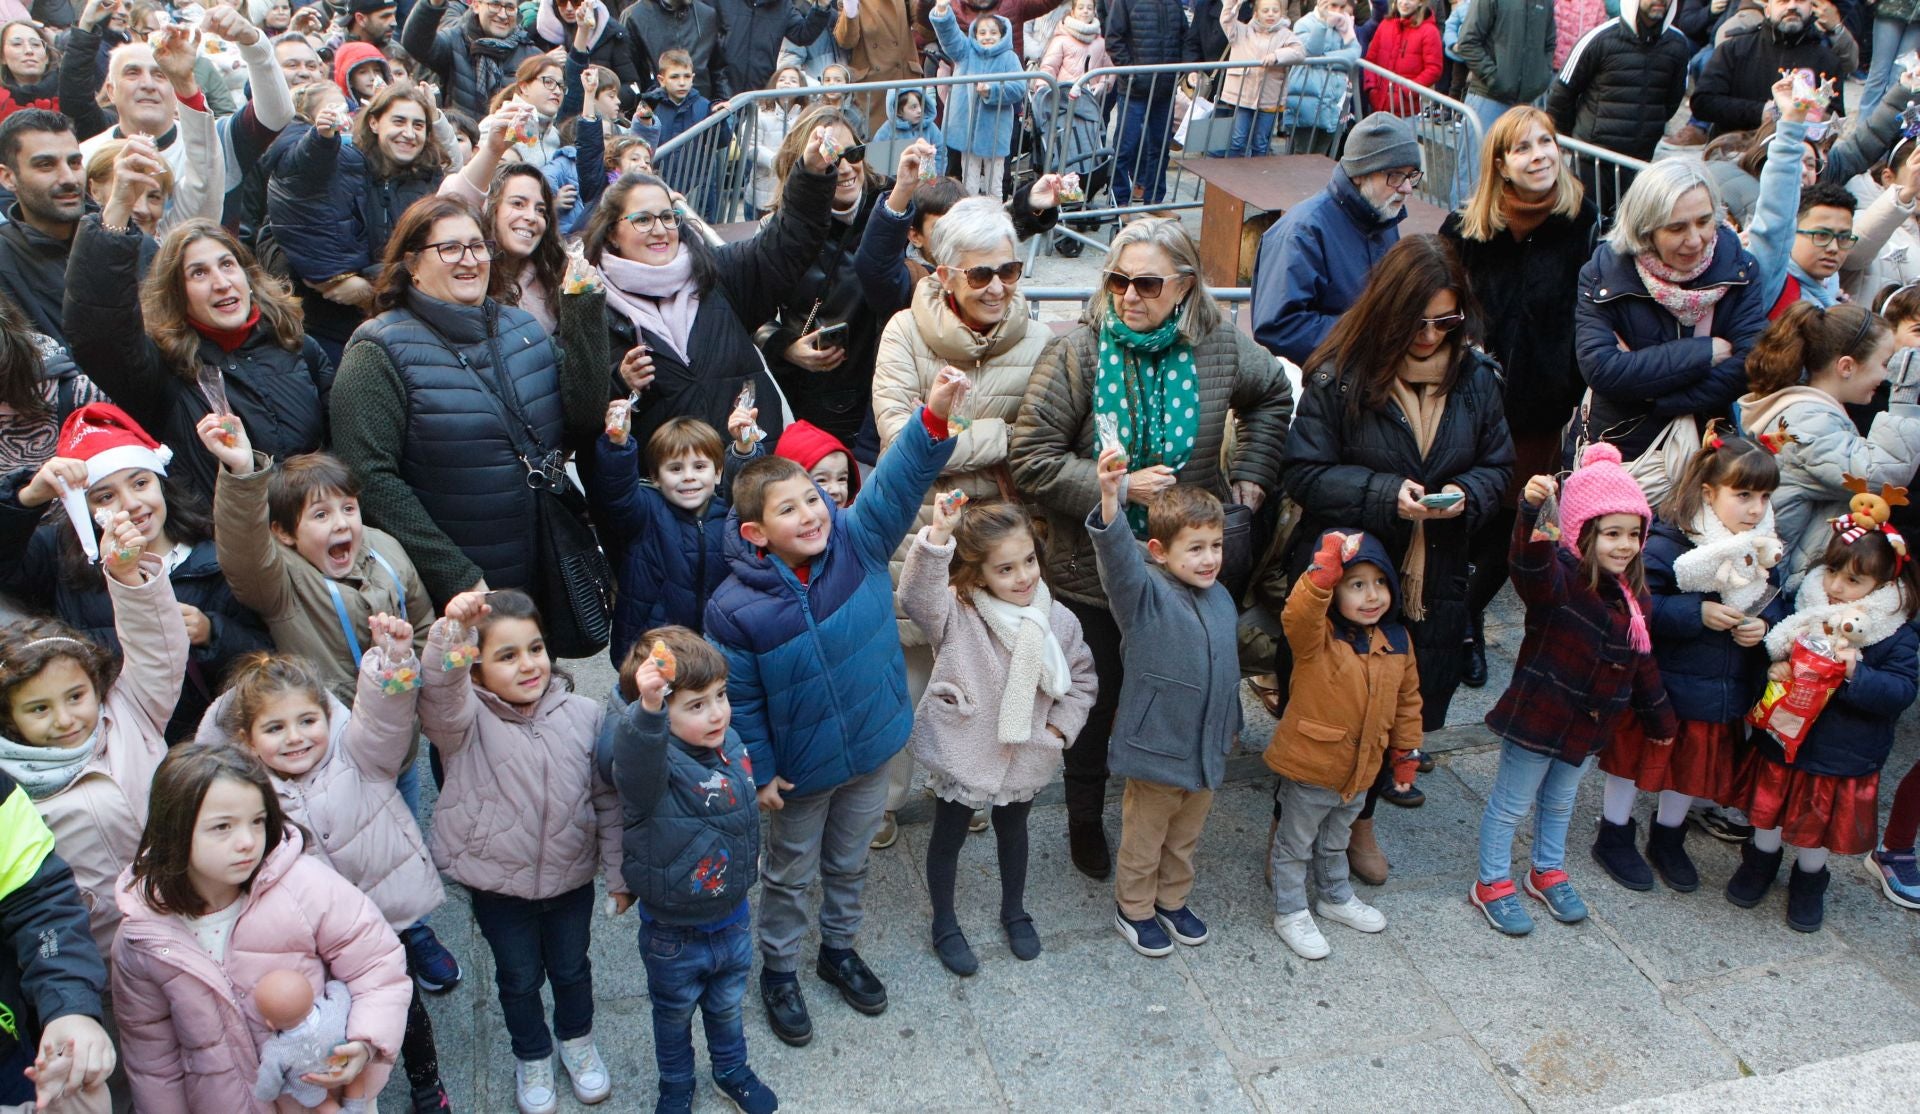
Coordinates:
[1841,814]
[1699,762]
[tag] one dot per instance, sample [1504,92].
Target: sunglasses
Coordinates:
[854,155]
[1007,273]
[1149,286]
[1445,324]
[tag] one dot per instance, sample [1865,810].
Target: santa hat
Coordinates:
[102,435]
[1600,487]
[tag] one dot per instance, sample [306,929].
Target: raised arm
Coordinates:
[103,285]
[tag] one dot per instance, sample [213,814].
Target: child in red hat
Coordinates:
[825,457]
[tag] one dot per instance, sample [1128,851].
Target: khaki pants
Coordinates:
[1159,829]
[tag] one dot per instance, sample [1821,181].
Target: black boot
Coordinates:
[1754,876]
[1087,841]
[1807,898]
[1667,851]
[1475,674]
[1616,854]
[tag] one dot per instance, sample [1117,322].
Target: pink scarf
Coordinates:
[662,300]
[1687,305]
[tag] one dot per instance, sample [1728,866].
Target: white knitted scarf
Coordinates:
[1035,661]
[1813,609]
[44,771]
[1724,562]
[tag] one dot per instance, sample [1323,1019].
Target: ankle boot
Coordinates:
[1754,876]
[1613,849]
[1475,673]
[1667,851]
[1807,898]
[1364,857]
[1087,845]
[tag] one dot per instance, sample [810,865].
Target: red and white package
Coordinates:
[1788,708]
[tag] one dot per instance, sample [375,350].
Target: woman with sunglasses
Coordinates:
[681,313]
[1154,352]
[451,407]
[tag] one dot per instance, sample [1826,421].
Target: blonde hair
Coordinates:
[100,167]
[1199,313]
[1481,218]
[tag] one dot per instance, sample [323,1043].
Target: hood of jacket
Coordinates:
[1630,15]
[1759,412]
[953,339]
[1004,46]
[1373,552]
[1347,195]
[352,56]
[927,101]
[807,444]
[553,29]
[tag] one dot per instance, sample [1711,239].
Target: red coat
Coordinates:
[1410,50]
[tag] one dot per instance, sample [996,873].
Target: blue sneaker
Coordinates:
[1147,937]
[1562,900]
[1182,925]
[1898,875]
[675,1098]
[744,1090]
[428,960]
[1501,906]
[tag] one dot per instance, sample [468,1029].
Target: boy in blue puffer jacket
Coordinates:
[819,690]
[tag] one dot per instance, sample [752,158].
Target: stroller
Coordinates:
[1068,136]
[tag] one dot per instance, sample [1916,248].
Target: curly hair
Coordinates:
[31,645]
[163,298]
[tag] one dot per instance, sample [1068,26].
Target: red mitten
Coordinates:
[1405,766]
[1327,563]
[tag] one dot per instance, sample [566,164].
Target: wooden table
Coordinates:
[1241,188]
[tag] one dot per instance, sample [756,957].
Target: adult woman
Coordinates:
[28,78]
[681,314]
[1668,308]
[1522,238]
[271,16]
[439,391]
[1153,335]
[149,212]
[1399,412]
[541,82]
[517,210]
[1407,43]
[39,387]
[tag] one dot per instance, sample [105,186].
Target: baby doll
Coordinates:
[305,1034]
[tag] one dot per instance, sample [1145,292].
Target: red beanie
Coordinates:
[807,444]
[102,435]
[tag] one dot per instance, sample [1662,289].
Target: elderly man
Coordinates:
[473,57]
[1736,87]
[1314,261]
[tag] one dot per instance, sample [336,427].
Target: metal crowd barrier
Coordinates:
[1230,297]
[1607,174]
[1448,131]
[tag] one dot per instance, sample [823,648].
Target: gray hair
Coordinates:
[1649,203]
[1199,313]
[973,224]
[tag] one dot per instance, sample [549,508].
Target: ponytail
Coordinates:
[1807,339]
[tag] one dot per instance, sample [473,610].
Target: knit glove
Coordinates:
[1903,377]
[1327,560]
[1406,767]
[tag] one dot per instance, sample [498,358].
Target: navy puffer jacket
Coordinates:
[1708,677]
[469,64]
[1151,33]
[1854,734]
[314,187]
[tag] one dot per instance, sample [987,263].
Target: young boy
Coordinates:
[672,532]
[686,784]
[673,106]
[1355,696]
[819,688]
[1180,703]
[825,457]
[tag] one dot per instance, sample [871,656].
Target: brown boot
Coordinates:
[1273,829]
[1364,857]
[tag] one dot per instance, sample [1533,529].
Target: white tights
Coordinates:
[1810,859]
[1617,803]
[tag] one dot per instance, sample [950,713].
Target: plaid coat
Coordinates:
[1577,673]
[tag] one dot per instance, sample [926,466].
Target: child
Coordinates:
[819,688]
[826,459]
[979,127]
[1077,48]
[1826,800]
[525,823]
[771,124]
[316,180]
[360,71]
[1255,93]
[305,1033]
[219,896]
[1355,700]
[672,532]
[1012,682]
[83,741]
[1714,571]
[334,771]
[909,118]
[675,105]
[1316,96]
[689,856]
[834,74]
[1585,664]
[1179,707]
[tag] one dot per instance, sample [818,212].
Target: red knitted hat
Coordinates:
[102,435]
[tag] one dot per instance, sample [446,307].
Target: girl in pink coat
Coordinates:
[218,895]
[1078,47]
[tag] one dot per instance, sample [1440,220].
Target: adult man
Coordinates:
[750,34]
[1621,83]
[1146,33]
[1313,263]
[1736,87]
[370,22]
[41,165]
[878,38]
[298,61]
[154,93]
[472,57]
[656,26]
[1508,47]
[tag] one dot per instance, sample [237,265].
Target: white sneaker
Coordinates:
[1355,914]
[586,1069]
[1298,932]
[533,1086]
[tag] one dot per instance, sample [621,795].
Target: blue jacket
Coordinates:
[1317,95]
[1854,733]
[1770,234]
[669,120]
[980,123]
[1312,265]
[561,170]
[893,127]
[815,672]
[1709,679]
[314,187]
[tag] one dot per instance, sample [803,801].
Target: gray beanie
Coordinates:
[1379,142]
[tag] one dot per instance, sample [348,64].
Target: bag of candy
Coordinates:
[1788,708]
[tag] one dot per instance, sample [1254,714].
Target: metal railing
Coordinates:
[1232,297]
[1607,174]
[1448,132]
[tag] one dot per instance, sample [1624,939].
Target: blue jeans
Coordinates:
[1891,39]
[1528,781]
[688,967]
[1251,126]
[408,783]
[537,942]
[1146,128]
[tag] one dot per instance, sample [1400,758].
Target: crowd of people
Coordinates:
[357,367]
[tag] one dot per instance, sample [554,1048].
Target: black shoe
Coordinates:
[1475,673]
[787,1012]
[1423,761]
[857,983]
[1754,876]
[1616,854]
[1410,797]
[1807,898]
[950,944]
[431,1098]
[1087,841]
[1022,940]
[1667,851]
[1066,247]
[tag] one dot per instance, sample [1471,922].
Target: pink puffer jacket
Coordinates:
[524,811]
[360,825]
[189,1035]
[1571,20]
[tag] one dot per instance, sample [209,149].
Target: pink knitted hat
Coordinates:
[1598,488]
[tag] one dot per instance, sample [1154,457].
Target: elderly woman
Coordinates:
[1667,310]
[1402,432]
[1154,351]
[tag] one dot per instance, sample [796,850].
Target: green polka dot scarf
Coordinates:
[1148,382]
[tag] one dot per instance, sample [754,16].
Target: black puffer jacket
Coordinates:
[1737,84]
[750,34]
[829,293]
[469,64]
[610,49]
[1151,33]
[1622,83]
[654,27]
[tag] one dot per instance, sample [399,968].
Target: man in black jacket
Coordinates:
[1736,87]
[656,26]
[750,34]
[40,165]
[1621,83]
[1147,33]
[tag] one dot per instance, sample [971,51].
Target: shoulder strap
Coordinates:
[543,464]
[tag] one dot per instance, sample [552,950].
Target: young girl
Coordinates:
[771,124]
[525,823]
[219,896]
[910,117]
[1254,93]
[1714,597]
[1012,683]
[1585,664]
[1826,800]
[1078,47]
[979,116]
[836,74]
[333,771]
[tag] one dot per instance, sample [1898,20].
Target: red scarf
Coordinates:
[229,339]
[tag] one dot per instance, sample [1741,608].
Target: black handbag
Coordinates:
[1237,550]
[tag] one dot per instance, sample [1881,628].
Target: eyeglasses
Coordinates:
[666,219]
[1007,273]
[854,155]
[1398,178]
[1827,237]
[1149,286]
[453,251]
[1446,323]
[549,81]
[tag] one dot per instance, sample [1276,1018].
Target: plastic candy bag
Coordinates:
[1788,708]
[76,504]
[463,648]
[401,673]
[213,388]
[113,550]
[745,400]
[581,278]
[1071,189]
[1107,433]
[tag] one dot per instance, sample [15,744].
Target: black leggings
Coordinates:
[418,1056]
[1086,774]
[950,820]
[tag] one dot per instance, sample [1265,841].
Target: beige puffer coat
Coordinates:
[917,343]
[1052,453]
